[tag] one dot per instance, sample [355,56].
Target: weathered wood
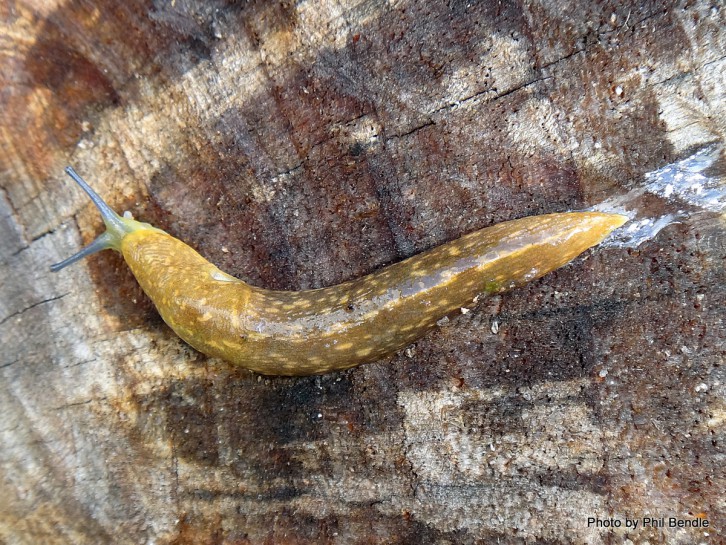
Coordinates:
[297,145]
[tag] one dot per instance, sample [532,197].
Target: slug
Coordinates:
[321,330]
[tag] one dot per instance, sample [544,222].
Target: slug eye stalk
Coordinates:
[117,227]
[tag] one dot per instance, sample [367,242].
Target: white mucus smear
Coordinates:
[636,232]
[619,204]
[683,181]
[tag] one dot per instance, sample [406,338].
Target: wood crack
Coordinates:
[78,403]
[32,306]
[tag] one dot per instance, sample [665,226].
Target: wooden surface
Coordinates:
[297,145]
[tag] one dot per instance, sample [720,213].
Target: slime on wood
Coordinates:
[328,329]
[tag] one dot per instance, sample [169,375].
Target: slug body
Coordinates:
[363,320]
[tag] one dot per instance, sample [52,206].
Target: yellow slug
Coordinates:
[316,331]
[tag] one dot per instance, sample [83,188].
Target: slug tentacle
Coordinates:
[328,329]
[104,241]
[117,227]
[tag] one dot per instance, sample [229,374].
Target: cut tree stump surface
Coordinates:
[298,145]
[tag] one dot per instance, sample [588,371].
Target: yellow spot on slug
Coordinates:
[231,344]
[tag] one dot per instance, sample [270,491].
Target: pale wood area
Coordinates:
[301,144]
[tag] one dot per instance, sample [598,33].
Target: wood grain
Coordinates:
[298,145]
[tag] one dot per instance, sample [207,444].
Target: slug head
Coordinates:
[117,227]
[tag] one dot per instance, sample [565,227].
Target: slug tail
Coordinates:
[117,227]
